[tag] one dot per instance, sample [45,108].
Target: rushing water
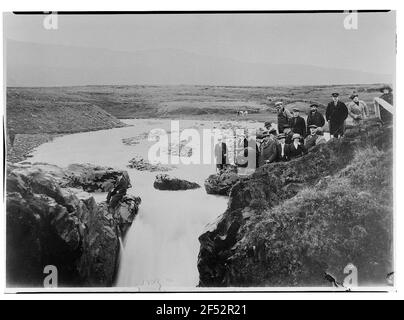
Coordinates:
[161,248]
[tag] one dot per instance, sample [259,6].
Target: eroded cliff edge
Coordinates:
[289,223]
[53,220]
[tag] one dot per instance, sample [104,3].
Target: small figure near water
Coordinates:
[119,190]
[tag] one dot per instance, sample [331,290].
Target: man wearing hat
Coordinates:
[311,139]
[357,109]
[320,137]
[268,125]
[315,118]
[387,96]
[282,154]
[336,114]
[287,130]
[297,123]
[268,150]
[296,149]
[284,116]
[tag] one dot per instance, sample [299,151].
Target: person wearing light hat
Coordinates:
[315,117]
[296,149]
[357,109]
[284,116]
[268,150]
[282,149]
[336,114]
[297,123]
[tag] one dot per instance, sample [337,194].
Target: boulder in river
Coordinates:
[49,223]
[221,183]
[141,164]
[165,182]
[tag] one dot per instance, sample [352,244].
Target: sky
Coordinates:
[308,39]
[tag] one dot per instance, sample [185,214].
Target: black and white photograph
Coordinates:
[211,151]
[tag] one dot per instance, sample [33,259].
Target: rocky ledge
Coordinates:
[141,164]
[165,182]
[51,223]
[221,183]
[290,223]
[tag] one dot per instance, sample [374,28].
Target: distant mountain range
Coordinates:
[31,64]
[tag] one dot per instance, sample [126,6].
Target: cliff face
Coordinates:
[289,223]
[50,223]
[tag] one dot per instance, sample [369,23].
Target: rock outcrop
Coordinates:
[221,183]
[289,223]
[49,223]
[165,182]
[141,164]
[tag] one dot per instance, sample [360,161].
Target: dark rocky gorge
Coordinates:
[290,223]
[52,220]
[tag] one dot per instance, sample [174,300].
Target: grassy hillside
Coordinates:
[207,102]
[30,113]
[290,223]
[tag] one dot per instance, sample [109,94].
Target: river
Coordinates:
[161,247]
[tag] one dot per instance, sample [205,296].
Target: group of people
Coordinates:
[295,136]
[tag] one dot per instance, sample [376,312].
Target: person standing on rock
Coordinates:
[221,155]
[315,118]
[119,190]
[284,116]
[296,149]
[268,150]
[282,153]
[297,123]
[311,139]
[357,109]
[336,114]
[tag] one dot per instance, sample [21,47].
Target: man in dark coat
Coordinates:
[296,149]
[119,190]
[297,123]
[387,96]
[315,118]
[282,154]
[287,130]
[284,116]
[268,150]
[221,155]
[336,114]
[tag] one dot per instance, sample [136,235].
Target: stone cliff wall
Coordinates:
[50,223]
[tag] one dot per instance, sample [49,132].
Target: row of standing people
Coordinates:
[296,136]
[336,114]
